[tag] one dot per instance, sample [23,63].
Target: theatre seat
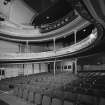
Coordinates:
[102,101]
[38,99]
[46,100]
[87,99]
[31,96]
[68,103]
[15,91]
[70,96]
[56,101]
[25,94]
[20,92]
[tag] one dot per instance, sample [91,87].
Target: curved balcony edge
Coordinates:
[74,25]
[89,40]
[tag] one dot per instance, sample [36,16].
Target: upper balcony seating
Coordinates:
[59,23]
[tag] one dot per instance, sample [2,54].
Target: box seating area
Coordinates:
[59,23]
[86,89]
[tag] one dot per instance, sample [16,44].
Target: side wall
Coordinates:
[8,47]
[13,70]
[95,62]
[20,13]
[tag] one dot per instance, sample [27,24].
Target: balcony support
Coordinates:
[55,56]
[61,67]
[75,36]
[54,45]
[75,66]
[54,67]
[19,48]
[27,50]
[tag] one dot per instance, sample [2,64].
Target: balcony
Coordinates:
[16,32]
[52,54]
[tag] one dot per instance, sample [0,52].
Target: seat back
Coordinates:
[20,92]
[31,96]
[102,101]
[70,96]
[25,94]
[38,99]
[82,98]
[15,91]
[46,100]
[68,103]
[56,101]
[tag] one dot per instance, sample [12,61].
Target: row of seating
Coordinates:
[92,83]
[6,83]
[57,97]
[72,92]
[38,80]
[59,23]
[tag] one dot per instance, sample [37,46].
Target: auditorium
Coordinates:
[52,52]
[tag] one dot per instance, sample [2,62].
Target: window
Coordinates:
[69,66]
[65,67]
[58,67]
[3,73]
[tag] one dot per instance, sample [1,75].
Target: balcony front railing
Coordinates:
[19,31]
[51,54]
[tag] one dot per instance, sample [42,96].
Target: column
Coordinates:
[54,67]
[61,67]
[54,45]
[33,67]
[26,51]
[55,58]
[23,68]
[76,66]
[19,48]
[75,36]
[27,46]
[39,67]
